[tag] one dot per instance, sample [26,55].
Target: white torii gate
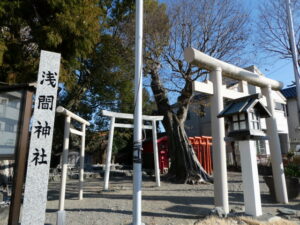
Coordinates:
[113,125]
[61,217]
[217,91]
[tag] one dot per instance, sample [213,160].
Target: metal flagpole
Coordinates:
[138,121]
[294,51]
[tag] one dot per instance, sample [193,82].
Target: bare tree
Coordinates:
[273,34]
[216,27]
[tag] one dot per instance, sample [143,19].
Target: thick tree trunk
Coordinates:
[185,167]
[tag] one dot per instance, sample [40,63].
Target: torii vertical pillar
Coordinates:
[219,146]
[82,153]
[155,151]
[109,152]
[276,159]
[61,214]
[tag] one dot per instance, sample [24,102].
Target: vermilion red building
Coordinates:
[163,154]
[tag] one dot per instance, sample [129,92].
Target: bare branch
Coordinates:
[273,28]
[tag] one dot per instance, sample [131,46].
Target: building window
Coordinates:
[239,122]
[278,106]
[9,127]
[261,147]
[254,120]
[3,103]
[281,107]
[13,103]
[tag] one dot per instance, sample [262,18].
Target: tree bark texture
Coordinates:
[185,166]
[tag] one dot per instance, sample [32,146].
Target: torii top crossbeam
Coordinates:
[130,116]
[204,61]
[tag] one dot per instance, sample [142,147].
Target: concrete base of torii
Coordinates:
[61,217]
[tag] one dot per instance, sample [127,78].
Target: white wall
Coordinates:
[293,123]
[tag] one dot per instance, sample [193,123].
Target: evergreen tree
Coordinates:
[70,27]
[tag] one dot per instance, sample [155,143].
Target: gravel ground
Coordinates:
[170,204]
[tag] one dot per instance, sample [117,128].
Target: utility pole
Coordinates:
[138,120]
[294,51]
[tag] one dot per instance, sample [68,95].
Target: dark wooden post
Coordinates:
[20,158]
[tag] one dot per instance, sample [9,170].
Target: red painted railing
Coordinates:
[202,148]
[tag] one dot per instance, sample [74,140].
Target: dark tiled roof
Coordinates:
[289,92]
[244,104]
[238,107]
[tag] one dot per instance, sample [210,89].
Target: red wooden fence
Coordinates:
[202,147]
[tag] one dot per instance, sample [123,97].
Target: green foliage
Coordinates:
[118,11]
[70,27]
[95,141]
[292,170]
[108,77]
[97,70]
[157,28]
[290,154]
[113,73]
[121,139]
[156,32]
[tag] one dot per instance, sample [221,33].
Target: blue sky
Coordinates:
[274,68]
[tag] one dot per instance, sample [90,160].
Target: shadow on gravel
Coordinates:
[238,199]
[176,190]
[150,214]
[174,199]
[199,211]
[287,206]
[54,195]
[233,181]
